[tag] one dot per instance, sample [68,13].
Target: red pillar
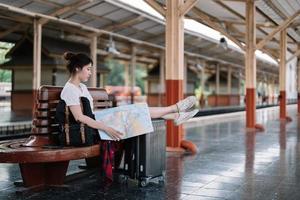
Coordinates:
[250,64]
[250,67]
[282,76]
[298,102]
[298,80]
[174,93]
[250,107]
[282,104]
[175,11]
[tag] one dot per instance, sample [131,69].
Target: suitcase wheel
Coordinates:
[161,179]
[144,182]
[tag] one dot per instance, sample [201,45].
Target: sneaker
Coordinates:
[184,116]
[186,104]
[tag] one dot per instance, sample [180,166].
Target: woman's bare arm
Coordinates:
[79,116]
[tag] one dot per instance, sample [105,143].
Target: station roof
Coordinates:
[78,20]
[229,16]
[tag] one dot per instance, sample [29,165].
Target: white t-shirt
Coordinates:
[71,94]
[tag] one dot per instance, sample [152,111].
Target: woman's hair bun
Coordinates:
[76,61]
[68,55]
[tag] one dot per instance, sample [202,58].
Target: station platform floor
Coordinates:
[231,164]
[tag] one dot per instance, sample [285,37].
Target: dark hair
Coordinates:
[76,60]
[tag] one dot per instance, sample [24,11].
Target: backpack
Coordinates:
[72,132]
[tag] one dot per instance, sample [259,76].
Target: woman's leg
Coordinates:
[170,116]
[157,112]
[180,106]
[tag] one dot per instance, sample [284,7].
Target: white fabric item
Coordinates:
[71,94]
[186,104]
[185,116]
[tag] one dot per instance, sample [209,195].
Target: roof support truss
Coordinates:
[281,27]
[187,6]
[156,6]
[122,24]
[8,31]
[296,54]
[205,18]
[65,9]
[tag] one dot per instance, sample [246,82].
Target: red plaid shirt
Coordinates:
[108,149]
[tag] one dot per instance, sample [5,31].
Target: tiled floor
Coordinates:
[231,164]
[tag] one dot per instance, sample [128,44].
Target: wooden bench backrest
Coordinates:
[45,108]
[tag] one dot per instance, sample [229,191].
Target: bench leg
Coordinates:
[44,174]
[91,163]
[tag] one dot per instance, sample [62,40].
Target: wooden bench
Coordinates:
[42,166]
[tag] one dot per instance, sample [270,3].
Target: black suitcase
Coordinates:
[145,155]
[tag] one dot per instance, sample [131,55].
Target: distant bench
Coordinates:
[42,166]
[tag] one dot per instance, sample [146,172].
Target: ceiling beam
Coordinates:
[156,6]
[48,3]
[128,57]
[241,36]
[194,41]
[113,28]
[95,17]
[187,6]
[65,9]
[242,17]
[277,10]
[273,22]
[235,0]
[17,19]
[297,53]
[282,26]
[12,29]
[205,18]
[127,22]
[68,29]
[295,24]
[208,47]
[223,53]
[243,23]
[151,38]
[75,11]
